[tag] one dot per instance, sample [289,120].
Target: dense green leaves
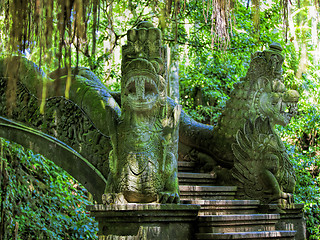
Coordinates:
[40,200]
[306,164]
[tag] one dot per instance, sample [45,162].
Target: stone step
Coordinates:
[184,166]
[223,207]
[237,223]
[283,235]
[191,192]
[291,217]
[199,179]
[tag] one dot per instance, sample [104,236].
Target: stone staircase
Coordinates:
[221,216]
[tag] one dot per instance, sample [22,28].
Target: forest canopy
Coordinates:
[56,28]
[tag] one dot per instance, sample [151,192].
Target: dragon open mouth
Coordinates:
[142,92]
[286,111]
[288,108]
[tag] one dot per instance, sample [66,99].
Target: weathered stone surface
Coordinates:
[63,119]
[143,161]
[237,223]
[205,179]
[283,235]
[291,218]
[260,94]
[224,207]
[134,147]
[57,151]
[262,167]
[184,166]
[145,221]
[240,219]
[207,192]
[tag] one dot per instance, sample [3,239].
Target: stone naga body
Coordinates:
[128,141]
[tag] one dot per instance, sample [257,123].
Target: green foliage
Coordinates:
[306,165]
[39,199]
[207,72]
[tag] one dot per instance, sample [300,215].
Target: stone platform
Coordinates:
[291,218]
[145,221]
[221,216]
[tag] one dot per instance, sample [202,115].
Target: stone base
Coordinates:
[145,221]
[291,218]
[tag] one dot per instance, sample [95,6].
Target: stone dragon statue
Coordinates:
[244,149]
[124,146]
[124,151]
[143,160]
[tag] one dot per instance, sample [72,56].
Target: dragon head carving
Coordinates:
[270,97]
[261,93]
[278,104]
[143,85]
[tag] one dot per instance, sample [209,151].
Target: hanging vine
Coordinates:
[52,30]
[48,25]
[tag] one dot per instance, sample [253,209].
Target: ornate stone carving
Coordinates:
[262,166]
[135,146]
[260,94]
[143,162]
[64,119]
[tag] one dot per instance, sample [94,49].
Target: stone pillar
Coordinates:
[145,221]
[291,218]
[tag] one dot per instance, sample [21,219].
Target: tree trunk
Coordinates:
[314,34]
[292,28]
[173,73]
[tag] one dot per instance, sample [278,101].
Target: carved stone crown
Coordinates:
[143,82]
[144,43]
[269,62]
